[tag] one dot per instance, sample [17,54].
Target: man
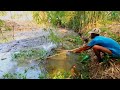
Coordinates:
[100,44]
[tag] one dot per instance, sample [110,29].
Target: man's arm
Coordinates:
[78,50]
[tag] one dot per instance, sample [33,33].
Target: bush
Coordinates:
[2,23]
[25,55]
[14,76]
[54,38]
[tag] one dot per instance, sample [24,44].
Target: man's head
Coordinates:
[95,32]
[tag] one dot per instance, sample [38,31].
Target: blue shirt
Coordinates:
[108,43]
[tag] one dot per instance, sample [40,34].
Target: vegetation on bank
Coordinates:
[27,55]
[76,20]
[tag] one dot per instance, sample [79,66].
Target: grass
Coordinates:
[5,40]
[41,76]
[54,38]
[59,74]
[76,40]
[103,29]
[84,68]
[14,76]
[76,20]
[2,23]
[8,28]
[22,75]
[113,36]
[26,55]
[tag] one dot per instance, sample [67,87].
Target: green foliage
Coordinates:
[114,16]
[55,17]
[54,38]
[75,39]
[36,17]
[3,13]
[8,28]
[82,55]
[61,75]
[114,36]
[16,16]
[103,29]
[14,76]
[20,75]
[84,68]
[4,40]
[9,76]
[32,54]
[77,20]
[85,72]
[2,23]
[39,17]
[118,60]
[43,76]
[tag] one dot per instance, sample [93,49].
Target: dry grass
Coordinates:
[109,70]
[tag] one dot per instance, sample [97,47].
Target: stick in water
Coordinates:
[65,51]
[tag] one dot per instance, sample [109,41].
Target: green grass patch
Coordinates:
[14,76]
[32,54]
[8,28]
[54,38]
[103,29]
[59,74]
[84,68]
[2,23]
[75,39]
[114,36]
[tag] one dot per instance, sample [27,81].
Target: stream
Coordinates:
[31,69]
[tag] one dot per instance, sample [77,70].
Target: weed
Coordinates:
[54,38]
[25,55]
[61,75]
[14,76]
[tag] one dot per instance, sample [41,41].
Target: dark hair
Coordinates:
[97,34]
[93,35]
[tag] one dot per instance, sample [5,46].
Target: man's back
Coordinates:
[107,43]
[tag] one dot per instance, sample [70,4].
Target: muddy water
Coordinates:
[62,61]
